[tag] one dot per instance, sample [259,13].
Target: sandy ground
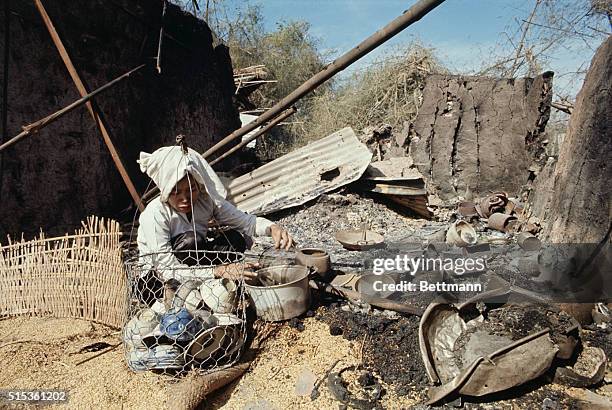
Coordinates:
[271,382]
[42,353]
[46,358]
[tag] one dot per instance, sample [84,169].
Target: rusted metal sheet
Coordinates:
[417,203]
[399,181]
[301,175]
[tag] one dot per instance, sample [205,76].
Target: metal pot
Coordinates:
[500,222]
[288,293]
[315,258]
[528,242]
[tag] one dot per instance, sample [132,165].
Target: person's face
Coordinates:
[183,193]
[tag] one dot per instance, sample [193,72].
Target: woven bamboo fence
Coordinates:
[77,276]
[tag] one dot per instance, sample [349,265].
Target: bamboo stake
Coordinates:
[161,37]
[95,115]
[38,125]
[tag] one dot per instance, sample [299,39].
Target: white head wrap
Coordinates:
[168,165]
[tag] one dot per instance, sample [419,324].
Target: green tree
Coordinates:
[291,56]
[290,53]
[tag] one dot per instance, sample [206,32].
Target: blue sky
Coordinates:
[464,33]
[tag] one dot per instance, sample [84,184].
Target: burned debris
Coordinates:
[450,262]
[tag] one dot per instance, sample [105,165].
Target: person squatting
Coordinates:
[174,239]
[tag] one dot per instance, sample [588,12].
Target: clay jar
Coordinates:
[315,258]
[461,234]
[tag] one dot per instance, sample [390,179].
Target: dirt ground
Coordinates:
[43,353]
[376,352]
[271,382]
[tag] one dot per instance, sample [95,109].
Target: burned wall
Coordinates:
[53,179]
[476,135]
[573,197]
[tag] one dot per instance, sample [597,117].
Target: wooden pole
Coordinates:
[83,92]
[413,14]
[153,192]
[7,41]
[259,133]
[38,125]
[161,37]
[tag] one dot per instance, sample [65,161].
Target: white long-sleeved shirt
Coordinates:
[159,222]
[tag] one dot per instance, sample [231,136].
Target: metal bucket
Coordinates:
[286,298]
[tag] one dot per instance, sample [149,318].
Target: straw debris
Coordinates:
[388,91]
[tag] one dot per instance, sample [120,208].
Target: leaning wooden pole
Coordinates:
[259,133]
[161,37]
[83,92]
[414,14]
[153,192]
[38,125]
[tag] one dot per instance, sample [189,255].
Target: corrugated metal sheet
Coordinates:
[301,175]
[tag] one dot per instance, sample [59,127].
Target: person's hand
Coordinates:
[234,271]
[282,239]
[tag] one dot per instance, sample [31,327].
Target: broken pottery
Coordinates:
[528,241]
[495,202]
[467,209]
[461,234]
[220,295]
[589,369]
[500,222]
[601,315]
[314,258]
[305,383]
[463,356]
[218,342]
[359,240]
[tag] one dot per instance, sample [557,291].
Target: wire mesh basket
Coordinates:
[185,316]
